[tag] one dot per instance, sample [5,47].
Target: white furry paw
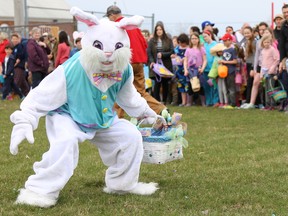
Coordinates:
[145,188]
[111,191]
[34,199]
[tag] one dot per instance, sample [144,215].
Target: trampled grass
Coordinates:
[236,164]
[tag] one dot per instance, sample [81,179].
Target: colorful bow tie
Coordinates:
[98,77]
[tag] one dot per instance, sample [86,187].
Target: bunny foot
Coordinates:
[34,199]
[140,189]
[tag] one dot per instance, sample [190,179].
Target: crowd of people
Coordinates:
[26,62]
[240,69]
[252,63]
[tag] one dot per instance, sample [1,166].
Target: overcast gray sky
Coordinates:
[179,15]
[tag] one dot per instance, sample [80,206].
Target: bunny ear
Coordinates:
[75,35]
[84,17]
[131,22]
[81,34]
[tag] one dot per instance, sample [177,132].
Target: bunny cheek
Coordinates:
[95,60]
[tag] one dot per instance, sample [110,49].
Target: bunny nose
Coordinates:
[108,54]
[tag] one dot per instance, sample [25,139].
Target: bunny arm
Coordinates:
[131,101]
[49,95]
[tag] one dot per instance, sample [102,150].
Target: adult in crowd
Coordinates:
[53,46]
[160,47]
[19,67]
[208,26]
[63,51]
[278,19]
[256,71]
[37,57]
[250,49]
[195,29]
[138,46]
[283,48]
[3,42]
[239,35]
[230,30]
[284,39]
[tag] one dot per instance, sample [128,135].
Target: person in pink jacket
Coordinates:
[63,51]
[270,61]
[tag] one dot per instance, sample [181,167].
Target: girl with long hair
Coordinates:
[63,51]
[195,61]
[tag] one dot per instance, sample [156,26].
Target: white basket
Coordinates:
[160,153]
[160,149]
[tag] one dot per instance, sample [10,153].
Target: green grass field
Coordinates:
[236,164]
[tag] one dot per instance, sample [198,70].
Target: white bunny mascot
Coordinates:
[77,99]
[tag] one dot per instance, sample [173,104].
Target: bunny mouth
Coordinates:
[106,63]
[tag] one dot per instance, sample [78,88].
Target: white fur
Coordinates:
[31,198]
[92,60]
[140,189]
[82,16]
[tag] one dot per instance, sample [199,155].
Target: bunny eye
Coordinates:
[98,44]
[118,45]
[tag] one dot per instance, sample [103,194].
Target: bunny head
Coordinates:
[105,45]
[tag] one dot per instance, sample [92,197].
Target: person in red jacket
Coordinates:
[63,51]
[138,46]
[3,42]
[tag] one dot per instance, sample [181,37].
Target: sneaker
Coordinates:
[267,108]
[216,105]
[249,106]
[261,106]
[221,105]
[9,97]
[181,105]
[188,104]
[244,105]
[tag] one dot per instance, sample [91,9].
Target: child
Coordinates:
[240,74]
[217,51]
[183,42]
[230,60]
[249,51]
[8,73]
[270,60]
[195,61]
[77,47]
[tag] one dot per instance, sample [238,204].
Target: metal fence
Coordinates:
[48,27]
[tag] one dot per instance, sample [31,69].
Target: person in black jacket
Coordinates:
[283,40]
[8,73]
[160,47]
[283,49]
[19,54]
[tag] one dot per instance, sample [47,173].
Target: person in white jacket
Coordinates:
[77,100]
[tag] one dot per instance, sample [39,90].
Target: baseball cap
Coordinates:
[278,16]
[206,23]
[113,9]
[226,37]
